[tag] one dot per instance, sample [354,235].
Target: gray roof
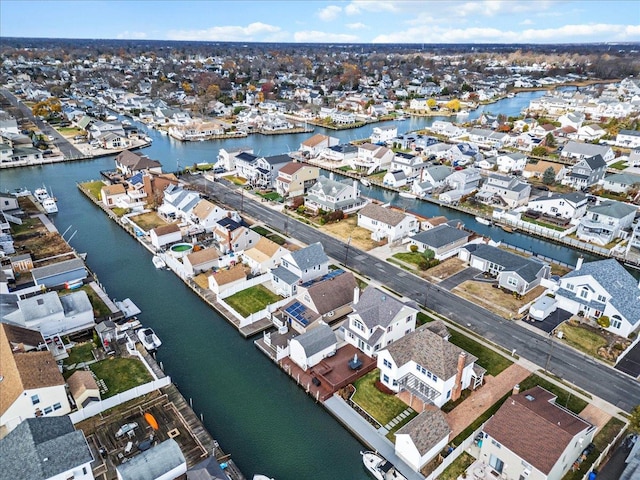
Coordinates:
[426,430]
[613,209]
[58,268]
[153,463]
[440,236]
[40,448]
[388,216]
[75,302]
[278,159]
[377,307]
[208,469]
[623,178]
[595,162]
[439,172]
[623,288]
[39,306]
[429,349]
[585,148]
[284,275]
[317,339]
[527,268]
[310,256]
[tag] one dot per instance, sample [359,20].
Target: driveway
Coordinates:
[454,280]
[630,363]
[552,321]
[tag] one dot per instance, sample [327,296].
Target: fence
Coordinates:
[605,452]
[453,456]
[135,392]
[256,316]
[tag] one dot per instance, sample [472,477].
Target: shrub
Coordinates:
[413,248]
[604,321]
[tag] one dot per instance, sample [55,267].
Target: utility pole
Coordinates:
[346,253]
[546,364]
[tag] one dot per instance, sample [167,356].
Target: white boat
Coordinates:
[463,113]
[50,205]
[158,262]
[379,467]
[483,221]
[41,194]
[401,118]
[365,182]
[257,476]
[149,339]
[407,195]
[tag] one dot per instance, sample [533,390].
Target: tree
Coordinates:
[539,151]
[550,140]
[428,254]
[634,420]
[453,105]
[431,103]
[549,176]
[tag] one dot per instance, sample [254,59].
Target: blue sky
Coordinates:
[366,21]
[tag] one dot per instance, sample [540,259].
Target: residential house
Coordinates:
[430,179]
[113,141]
[606,221]
[512,272]
[382,135]
[224,279]
[113,195]
[464,181]
[447,129]
[504,190]
[201,260]
[462,154]
[603,287]
[263,256]
[295,178]
[330,195]
[536,169]
[245,164]
[340,154]
[628,138]
[207,214]
[372,158]
[48,448]
[165,235]
[387,223]
[395,179]
[411,165]
[571,205]
[378,319]
[590,133]
[83,388]
[424,437]
[511,162]
[163,461]
[532,437]
[32,385]
[428,366]
[621,182]
[572,119]
[488,138]
[586,173]
[8,202]
[234,236]
[487,163]
[444,240]
[56,274]
[227,158]
[581,151]
[178,202]
[264,171]
[311,347]
[129,163]
[299,267]
[327,299]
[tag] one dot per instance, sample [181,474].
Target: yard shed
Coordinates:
[60,273]
[308,349]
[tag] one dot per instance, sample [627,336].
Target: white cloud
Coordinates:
[356,26]
[356,7]
[314,36]
[329,13]
[526,22]
[131,35]
[256,31]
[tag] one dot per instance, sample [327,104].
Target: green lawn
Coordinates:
[423,318]
[458,467]
[480,420]
[381,406]
[619,165]
[100,309]
[252,300]
[487,358]
[27,225]
[274,196]
[148,221]
[80,353]
[582,339]
[120,374]
[413,258]
[261,231]
[94,188]
[566,399]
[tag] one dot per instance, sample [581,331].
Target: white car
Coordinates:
[51,138]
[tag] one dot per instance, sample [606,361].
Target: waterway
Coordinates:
[254,410]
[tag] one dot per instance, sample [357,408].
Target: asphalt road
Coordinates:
[563,362]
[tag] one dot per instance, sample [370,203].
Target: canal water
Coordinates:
[254,410]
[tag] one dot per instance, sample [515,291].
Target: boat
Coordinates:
[483,221]
[41,194]
[462,113]
[50,205]
[149,339]
[379,467]
[401,118]
[151,420]
[407,195]
[365,182]
[158,262]
[257,476]
[507,229]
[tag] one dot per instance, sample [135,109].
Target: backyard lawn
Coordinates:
[487,358]
[94,188]
[381,406]
[100,309]
[252,300]
[148,221]
[80,353]
[565,398]
[120,374]
[457,468]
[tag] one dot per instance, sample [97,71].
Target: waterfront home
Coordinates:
[245,164]
[384,134]
[447,129]
[428,366]
[422,438]
[165,235]
[311,347]
[462,154]
[536,169]
[410,164]
[197,130]
[621,182]
[419,104]
[387,223]
[394,179]
[511,162]
[113,195]
[331,195]
[298,267]
[227,158]
[580,151]
[129,163]
[488,138]
[178,202]
[530,436]
[464,181]
[32,385]
[378,319]
[606,221]
[46,449]
[444,240]
[234,236]
[572,205]
[340,154]
[206,214]
[438,150]
[263,256]
[295,178]
[327,299]
[435,176]
[372,158]
[227,278]
[603,287]
[59,273]
[504,190]
[586,173]
[113,141]
[83,388]
[512,272]
[161,462]
[201,261]
[628,138]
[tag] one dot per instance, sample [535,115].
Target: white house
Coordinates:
[385,222]
[411,165]
[384,134]
[580,151]
[298,267]
[606,221]
[422,438]
[330,195]
[621,182]
[464,181]
[263,256]
[599,288]
[394,179]
[378,319]
[571,205]
[372,158]
[165,235]
[511,162]
[233,236]
[222,280]
[207,214]
[628,138]
[310,348]
[444,240]
[504,190]
[427,365]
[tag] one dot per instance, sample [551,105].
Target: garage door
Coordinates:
[477,263]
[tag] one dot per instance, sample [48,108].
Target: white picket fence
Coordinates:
[254,317]
[452,457]
[95,408]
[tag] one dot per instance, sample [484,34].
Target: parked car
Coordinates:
[126,428]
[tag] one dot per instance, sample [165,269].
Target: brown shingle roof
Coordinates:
[427,429]
[291,168]
[263,250]
[203,256]
[115,189]
[136,161]
[223,277]
[388,216]
[80,382]
[203,209]
[166,229]
[315,140]
[333,293]
[533,427]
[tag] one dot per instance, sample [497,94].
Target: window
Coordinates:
[616,323]
[35,399]
[584,293]
[569,286]
[495,444]
[389,328]
[449,394]
[435,378]
[57,406]
[418,367]
[48,410]
[512,281]
[385,378]
[358,325]
[386,363]
[602,298]
[408,318]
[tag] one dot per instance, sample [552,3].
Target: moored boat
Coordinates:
[379,467]
[507,228]
[41,194]
[365,182]
[50,205]
[407,195]
[158,262]
[149,339]
[483,221]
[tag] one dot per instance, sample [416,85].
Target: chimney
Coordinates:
[457,387]
[579,262]
[516,389]
[356,295]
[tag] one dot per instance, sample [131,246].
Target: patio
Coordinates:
[481,471]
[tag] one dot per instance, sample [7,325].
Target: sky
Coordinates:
[316,21]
